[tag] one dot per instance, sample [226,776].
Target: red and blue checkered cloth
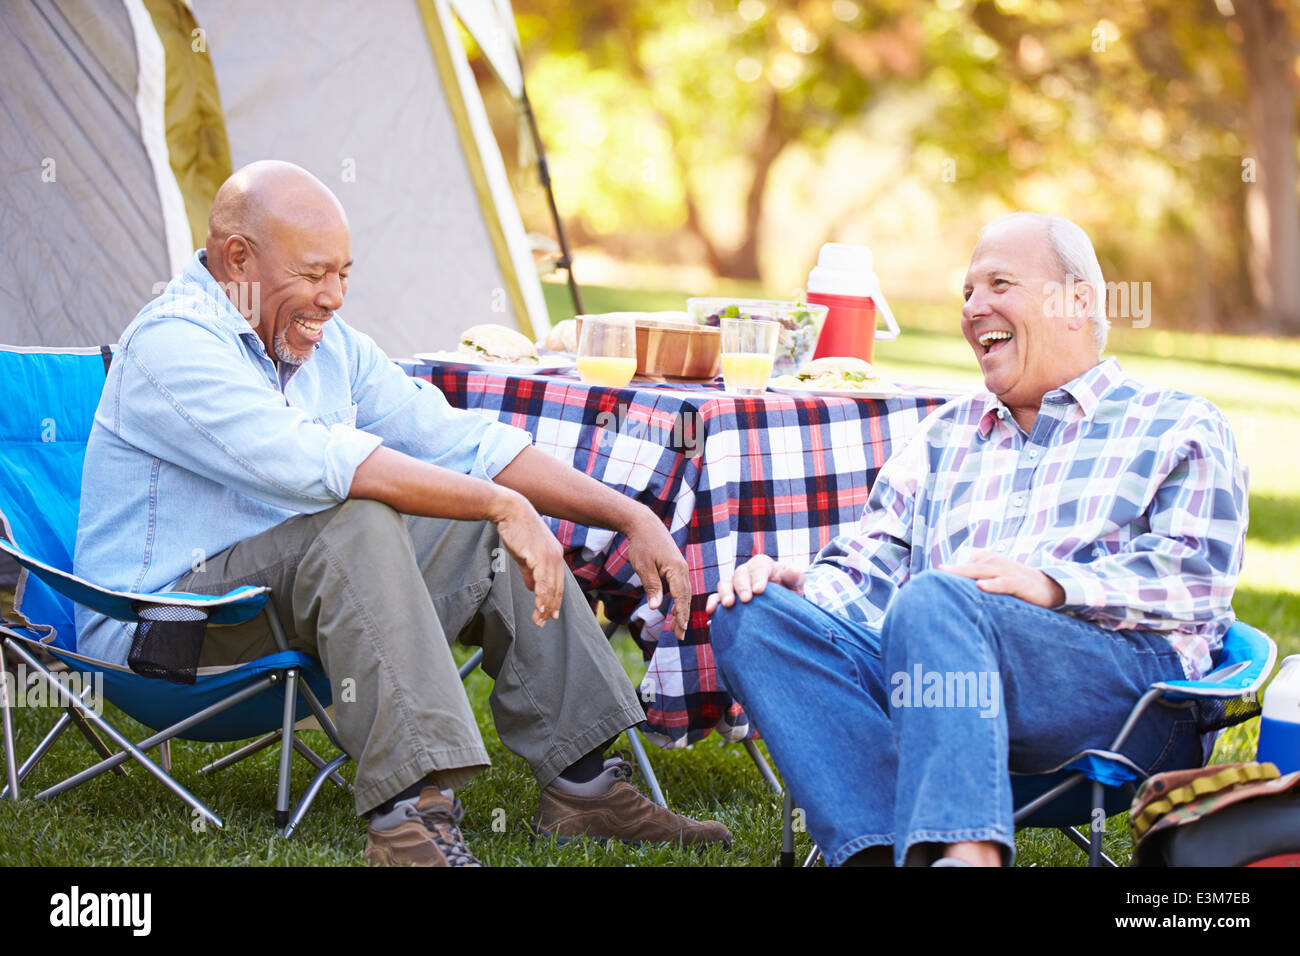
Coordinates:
[730,477]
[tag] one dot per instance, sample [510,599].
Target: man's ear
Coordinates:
[236,253]
[1085,300]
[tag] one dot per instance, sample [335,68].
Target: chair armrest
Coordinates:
[235,607]
[1245,663]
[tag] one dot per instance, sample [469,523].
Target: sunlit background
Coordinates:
[698,140]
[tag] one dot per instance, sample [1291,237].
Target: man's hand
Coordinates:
[751,578]
[654,556]
[539,555]
[998,575]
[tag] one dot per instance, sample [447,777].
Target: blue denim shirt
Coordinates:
[199,442]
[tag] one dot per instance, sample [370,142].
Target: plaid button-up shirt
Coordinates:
[1130,497]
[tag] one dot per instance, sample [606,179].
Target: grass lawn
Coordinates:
[116,821]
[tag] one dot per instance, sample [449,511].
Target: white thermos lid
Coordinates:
[845,269]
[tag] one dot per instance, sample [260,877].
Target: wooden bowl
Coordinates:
[670,345]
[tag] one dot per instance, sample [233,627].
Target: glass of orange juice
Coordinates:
[748,351]
[607,350]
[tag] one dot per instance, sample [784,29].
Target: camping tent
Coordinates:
[121,118]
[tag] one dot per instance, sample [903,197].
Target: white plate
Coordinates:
[874,393]
[547,364]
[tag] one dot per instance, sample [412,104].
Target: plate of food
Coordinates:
[834,377]
[498,347]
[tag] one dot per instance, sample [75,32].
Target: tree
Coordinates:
[1166,128]
[1269,51]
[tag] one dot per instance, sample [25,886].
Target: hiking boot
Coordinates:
[421,831]
[609,807]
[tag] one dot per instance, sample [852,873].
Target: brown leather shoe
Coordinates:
[421,832]
[621,813]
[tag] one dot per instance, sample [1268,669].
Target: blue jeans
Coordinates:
[908,735]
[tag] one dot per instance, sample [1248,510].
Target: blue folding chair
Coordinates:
[1226,696]
[45,421]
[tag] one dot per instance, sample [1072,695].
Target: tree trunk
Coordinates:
[1272,210]
[741,262]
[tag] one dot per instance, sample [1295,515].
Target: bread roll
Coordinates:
[563,337]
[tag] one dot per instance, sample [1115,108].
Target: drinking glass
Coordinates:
[607,350]
[748,351]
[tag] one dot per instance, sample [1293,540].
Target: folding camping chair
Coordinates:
[45,421]
[1226,696]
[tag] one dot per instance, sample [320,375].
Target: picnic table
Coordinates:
[729,476]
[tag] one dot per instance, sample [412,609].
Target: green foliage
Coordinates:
[667,120]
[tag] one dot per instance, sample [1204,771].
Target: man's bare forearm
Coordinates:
[415,487]
[558,490]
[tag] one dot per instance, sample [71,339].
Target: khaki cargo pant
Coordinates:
[378,597]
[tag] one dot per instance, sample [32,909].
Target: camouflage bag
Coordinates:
[1236,814]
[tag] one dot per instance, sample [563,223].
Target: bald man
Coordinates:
[1026,567]
[248,436]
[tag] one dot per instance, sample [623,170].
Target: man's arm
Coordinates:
[561,491]
[416,487]
[857,573]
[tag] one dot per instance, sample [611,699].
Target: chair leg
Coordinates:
[286,749]
[1082,842]
[787,830]
[642,761]
[165,755]
[129,750]
[312,789]
[1096,831]
[247,750]
[11,764]
[814,855]
[46,743]
[317,761]
[468,667]
[764,770]
[96,742]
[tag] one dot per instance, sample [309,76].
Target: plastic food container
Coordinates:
[801,325]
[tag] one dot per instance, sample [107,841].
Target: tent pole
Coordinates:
[566,259]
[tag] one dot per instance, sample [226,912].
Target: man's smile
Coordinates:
[310,328]
[994,339]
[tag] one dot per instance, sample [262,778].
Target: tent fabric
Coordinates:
[197,147]
[116,96]
[492,25]
[150,105]
[360,105]
[82,240]
[483,160]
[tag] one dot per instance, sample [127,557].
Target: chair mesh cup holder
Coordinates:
[167,642]
[1218,713]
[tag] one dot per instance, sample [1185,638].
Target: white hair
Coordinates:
[1078,261]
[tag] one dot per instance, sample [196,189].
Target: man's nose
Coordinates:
[977,304]
[330,295]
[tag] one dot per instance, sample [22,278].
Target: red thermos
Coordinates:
[845,283]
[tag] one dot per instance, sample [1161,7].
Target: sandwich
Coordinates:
[834,373]
[497,344]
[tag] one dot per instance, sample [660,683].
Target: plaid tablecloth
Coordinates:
[730,477]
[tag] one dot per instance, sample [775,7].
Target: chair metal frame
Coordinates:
[79,714]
